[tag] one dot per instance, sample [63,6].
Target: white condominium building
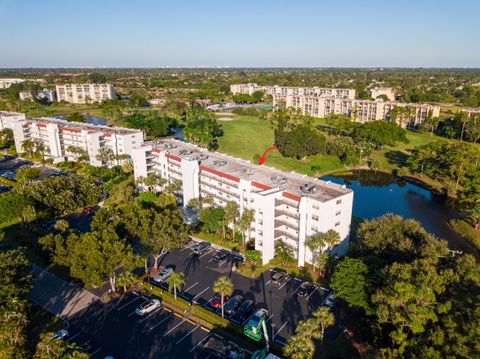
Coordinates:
[6,83]
[50,96]
[85,93]
[288,207]
[360,110]
[287,90]
[379,91]
[7,119]
[62,139]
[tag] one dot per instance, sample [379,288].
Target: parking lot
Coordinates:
[285,307]
[115,329]
[10,165]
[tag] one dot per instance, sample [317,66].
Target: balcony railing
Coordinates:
[282,212]
[204,183]
[279,202]
[282,233]
[282,222]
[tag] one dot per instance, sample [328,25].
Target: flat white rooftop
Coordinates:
[83,126]
[294,183]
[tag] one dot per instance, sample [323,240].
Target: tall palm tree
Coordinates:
[175,281]
[125,280]
[231,214]
[299,347]
[324,319]
[224,287]
[245,223]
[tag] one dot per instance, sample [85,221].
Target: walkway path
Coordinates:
[58,296]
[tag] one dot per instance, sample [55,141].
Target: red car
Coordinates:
[216,302]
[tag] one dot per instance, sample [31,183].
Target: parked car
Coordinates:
[163,275]
[305,289]
[279,277]
[216,301]
[4,188]
[233,303]
[245,310]
[221,255]
[147,307]
[201,247]
[330,300]
[255,318]
[61,334]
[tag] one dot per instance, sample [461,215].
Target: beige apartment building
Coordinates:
[60,138]
[85,93]
[292,91]
[287,206]
[360,110]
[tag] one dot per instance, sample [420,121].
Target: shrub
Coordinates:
[466,231]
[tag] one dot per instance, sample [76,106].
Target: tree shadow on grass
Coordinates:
[398,158]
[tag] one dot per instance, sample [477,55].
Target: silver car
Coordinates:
[61,334]
[163,275]
[147,307]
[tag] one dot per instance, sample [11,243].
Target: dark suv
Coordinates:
[244,311]
[279,277]
[221,255]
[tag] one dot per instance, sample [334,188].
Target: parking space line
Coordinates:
[175,327]
[160,322]
[72,337]
[200,342]
[312,293]
[203,291]
[295,291]
[148,316]
[203,255]
[131,301]
[283,285]
[297,279]
[96,351]
[270,317]
[186,335]
[193,285]
[205,305]
[283,326]
[268,282]
[280,341]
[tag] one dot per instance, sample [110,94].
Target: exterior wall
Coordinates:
[81,93]
[7,119]
[361,110]
[279,215]
[49,95]
[57,136]
[292,91]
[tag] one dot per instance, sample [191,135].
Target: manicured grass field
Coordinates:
[34,110]
[246,136]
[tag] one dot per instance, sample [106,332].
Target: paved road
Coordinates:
[59,297]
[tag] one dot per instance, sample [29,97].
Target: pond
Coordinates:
[377,193]
[90,119]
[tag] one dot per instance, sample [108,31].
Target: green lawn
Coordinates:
[246,136]
[35,110]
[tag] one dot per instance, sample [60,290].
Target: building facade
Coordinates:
[292,91]
[288,207]
[50,96]
[85,93]
[5,83]
[70,140]
[360,110]
[379,91]
[7,119]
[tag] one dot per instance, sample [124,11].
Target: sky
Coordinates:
[242,33]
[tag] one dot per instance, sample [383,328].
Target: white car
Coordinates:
[330,300]
[61,334]
[163,275]
[147,307]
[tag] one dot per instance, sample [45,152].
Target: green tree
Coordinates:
[223,286]
[106,156]
[245,224]
[470,198]
[212,218]
[253,258]
[125,280]
[284,253]
[380,133]
[231,215]
[75,117]
[320,242]
[175,281]
[27,174]
[6,138]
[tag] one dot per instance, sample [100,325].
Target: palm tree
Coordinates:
[284,253]
[28,146]
[324,319]
[175,281]
[299,347]
[231,214]
[245,223]
[125,280]
[224,287]
[321,241]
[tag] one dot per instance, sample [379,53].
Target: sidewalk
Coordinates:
[58,296]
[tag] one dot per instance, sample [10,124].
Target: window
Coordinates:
[339,201]
[337,224]
[314,229]
[260,221]
[315,206]
[260,232]
[338,213]
[315,217]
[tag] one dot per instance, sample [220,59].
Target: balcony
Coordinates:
[278,233]
[282,222]
[282,212]
[280,202]
[205,183]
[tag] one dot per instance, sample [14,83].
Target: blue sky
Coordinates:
[141,33]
